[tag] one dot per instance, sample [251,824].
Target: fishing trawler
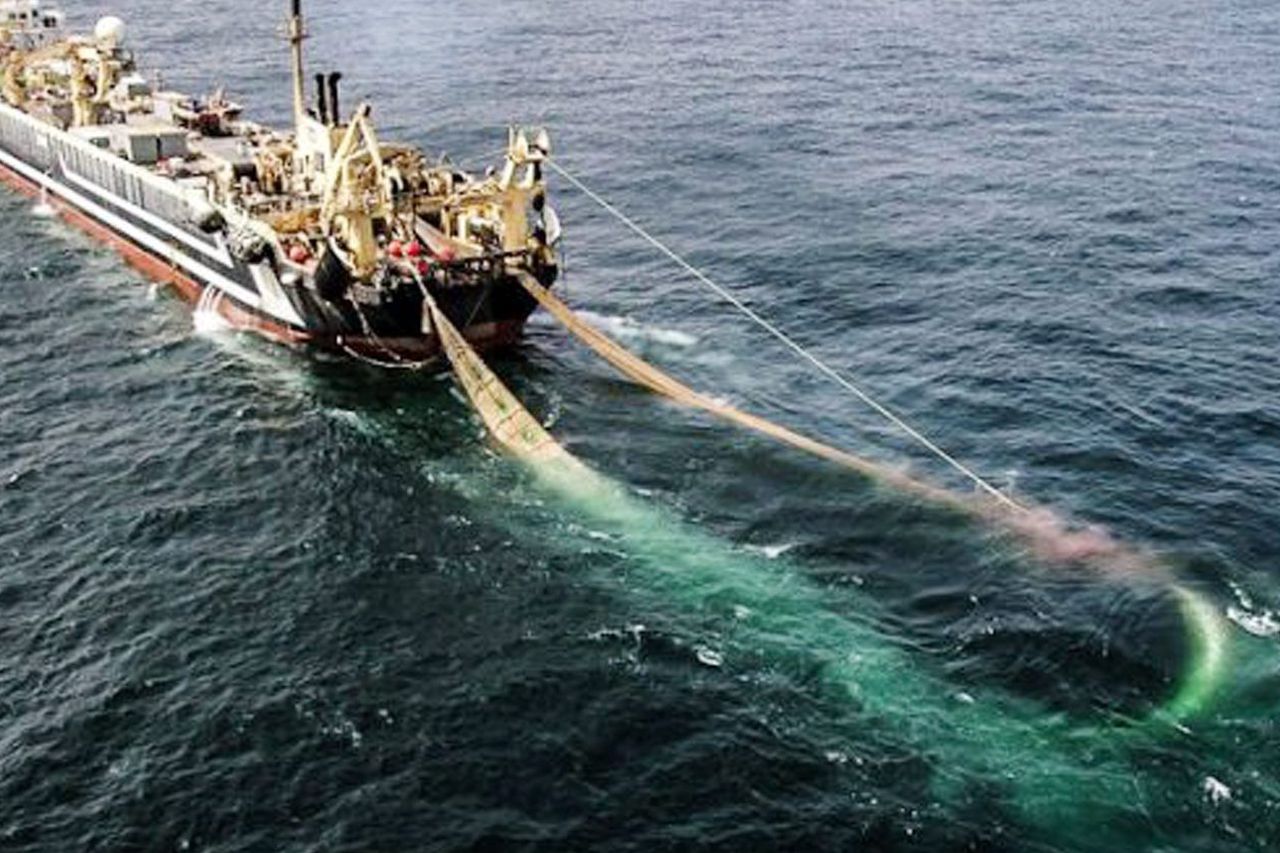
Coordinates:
[319,235]
[324,235]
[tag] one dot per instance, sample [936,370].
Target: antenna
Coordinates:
[296,36]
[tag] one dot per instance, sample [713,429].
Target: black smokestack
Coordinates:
[322,100]
[334,79]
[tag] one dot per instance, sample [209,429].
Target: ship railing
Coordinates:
[489,262]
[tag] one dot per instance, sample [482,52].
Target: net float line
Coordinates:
[646,375]
[1049,537]
[792,344]
[504,415]
[872,677]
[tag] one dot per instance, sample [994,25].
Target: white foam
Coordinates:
[672,337]
[1241,596]
[344,415]
[709,657]
[635,632]
[625,327]
[1249,617]
[207,321]
[42,209]
[1215,791]
[771,552]
[1264,624]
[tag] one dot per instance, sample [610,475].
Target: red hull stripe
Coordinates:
[152,266]
[158,269]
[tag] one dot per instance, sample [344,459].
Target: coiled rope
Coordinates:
[790,342]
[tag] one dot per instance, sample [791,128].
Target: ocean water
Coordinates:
[255,599]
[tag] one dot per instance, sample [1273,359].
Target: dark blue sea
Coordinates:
[253,599]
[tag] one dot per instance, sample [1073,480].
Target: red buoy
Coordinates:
[395,249]
[423,266]
[414,249]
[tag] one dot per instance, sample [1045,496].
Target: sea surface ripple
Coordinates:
[253,599]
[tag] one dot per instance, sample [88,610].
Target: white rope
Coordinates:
[397,362]
[385,365]
[797,348]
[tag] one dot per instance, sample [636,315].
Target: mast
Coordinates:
[296,37]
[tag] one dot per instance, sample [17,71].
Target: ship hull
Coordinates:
[147,220]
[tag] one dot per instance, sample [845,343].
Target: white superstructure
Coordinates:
[27,24]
